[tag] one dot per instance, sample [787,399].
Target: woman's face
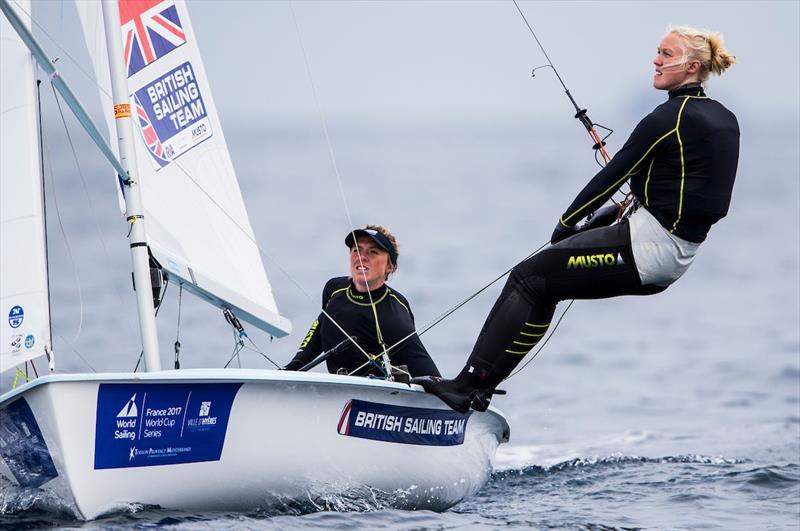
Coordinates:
[671,72]
[369,264]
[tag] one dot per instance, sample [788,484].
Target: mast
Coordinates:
[133,196]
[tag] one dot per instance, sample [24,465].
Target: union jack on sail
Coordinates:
[150,30]
[150,135]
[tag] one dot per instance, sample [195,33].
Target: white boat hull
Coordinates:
[240,439]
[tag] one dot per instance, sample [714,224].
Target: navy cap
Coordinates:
[378,237]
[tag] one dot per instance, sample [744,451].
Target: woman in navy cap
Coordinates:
[363,306]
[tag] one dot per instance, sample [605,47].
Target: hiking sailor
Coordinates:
[681,162]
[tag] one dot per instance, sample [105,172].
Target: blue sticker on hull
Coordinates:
[407,425]
[161,424]
[23,447]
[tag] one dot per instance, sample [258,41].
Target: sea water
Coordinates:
[676,411]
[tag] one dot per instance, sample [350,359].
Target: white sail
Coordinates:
[197,225]
[24,308]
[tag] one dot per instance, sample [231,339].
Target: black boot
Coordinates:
[458,393]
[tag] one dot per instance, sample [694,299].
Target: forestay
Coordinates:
[197,225]
[24,305]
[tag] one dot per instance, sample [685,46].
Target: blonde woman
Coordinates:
[681,162]
[364,306]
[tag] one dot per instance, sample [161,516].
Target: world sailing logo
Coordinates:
[150,30]
[129,409]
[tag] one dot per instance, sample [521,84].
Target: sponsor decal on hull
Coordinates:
[161,424]
[402,424]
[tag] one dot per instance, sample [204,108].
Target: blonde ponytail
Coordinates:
[706,47]
[721,59]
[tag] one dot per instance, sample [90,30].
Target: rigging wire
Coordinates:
[64,236]
[580,114]
[92,209]
[239,335]
[336,172]
[50,355]
[238,344]
[76,351]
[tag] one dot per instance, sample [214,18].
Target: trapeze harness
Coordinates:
[681,161]
[354,313]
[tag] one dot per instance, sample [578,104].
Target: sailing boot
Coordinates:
[457,393]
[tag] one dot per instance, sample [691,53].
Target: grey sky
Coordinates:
[376,61]
[380,61]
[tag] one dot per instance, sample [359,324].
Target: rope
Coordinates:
[16,378]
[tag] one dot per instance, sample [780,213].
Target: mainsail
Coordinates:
[197,225]
[24,308]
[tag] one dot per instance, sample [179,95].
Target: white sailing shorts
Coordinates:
[661,258]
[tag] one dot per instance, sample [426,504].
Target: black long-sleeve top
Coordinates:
[681,160]
[352,310]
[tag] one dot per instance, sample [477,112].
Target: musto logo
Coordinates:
[594,260]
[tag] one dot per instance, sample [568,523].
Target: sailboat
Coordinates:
[191,439]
